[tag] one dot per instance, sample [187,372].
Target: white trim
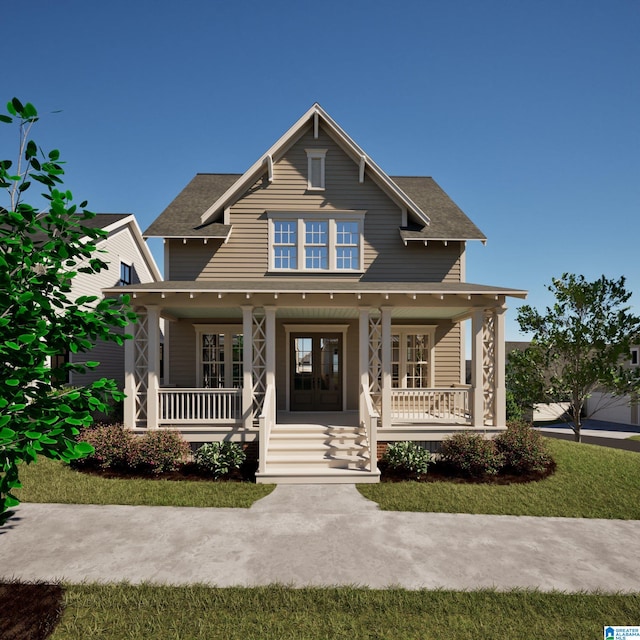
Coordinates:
[316,154]
[316,328]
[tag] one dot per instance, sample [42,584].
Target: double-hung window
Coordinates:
[312,242]
[220,359]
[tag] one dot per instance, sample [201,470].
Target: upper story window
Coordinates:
[315,168]
[125,274]
[635,356]
[315,242]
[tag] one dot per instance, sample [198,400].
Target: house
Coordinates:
[129,263]
[315,305]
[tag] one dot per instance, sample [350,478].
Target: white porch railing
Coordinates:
[199,406]
[369,417]
[267,421]
[449,404]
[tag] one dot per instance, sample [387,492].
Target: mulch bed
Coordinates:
[441,472]
[29,610]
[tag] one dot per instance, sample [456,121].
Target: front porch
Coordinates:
[374,365]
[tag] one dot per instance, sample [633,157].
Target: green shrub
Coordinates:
[219,458]
[159,451]
[523,448]
[407,457]
[472,455]
[113,446]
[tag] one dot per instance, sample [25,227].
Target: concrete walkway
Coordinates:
[317,535]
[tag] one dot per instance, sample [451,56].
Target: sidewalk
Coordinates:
[317,535]
[605,434]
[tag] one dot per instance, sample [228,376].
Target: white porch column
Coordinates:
[386,366]
[270,333]
[500,394]
[477,323]
[363,347]
[247,366]
[129,417]
[153,380]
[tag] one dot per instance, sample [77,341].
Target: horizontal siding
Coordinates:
[111,359]
[447,355]
[182,354]
[245,255]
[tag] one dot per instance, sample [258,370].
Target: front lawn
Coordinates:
[590,482]
[279,613]
[52,481]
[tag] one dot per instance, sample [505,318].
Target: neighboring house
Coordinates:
[622,409]
[316,305]
[130,263]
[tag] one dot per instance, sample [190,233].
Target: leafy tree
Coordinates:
[40,254]
[579,345]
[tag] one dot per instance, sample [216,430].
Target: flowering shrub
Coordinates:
[113,446]
[159,451]
[119,448]
[472,455]
[219,458]
[523,448]
[407,457]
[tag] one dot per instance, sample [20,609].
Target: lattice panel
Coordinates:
[489,365]
[375,359]
[141,365]
[259,362]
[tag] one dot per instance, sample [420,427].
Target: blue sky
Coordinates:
[526,113]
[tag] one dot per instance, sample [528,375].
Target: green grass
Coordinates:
[52,481]
[637,438]
[590,482]
[140,612]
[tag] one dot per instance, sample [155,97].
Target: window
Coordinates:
[125,274]
[635,356]
[59,373]
[315,168]
[220,357]
[412,363]
[315,242]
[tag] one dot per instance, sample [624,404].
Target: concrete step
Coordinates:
[279,475]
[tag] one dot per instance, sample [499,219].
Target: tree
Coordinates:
[40,254]
[579,345]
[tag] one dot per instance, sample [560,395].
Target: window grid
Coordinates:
[410,364]
[285,244]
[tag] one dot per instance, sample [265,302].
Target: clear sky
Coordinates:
[526,112]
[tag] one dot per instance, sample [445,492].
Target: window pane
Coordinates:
[285,232]
[347,233]
[347,258]
[315,232]
[285,258]
[315,258]
[315,179]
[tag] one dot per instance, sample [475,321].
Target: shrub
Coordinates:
[523,448]
[113,446]
[159,451]
[472,455]
[219,458]
[407,457]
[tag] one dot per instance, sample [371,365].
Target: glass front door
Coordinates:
[316,372]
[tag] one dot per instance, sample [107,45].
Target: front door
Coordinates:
[316,372]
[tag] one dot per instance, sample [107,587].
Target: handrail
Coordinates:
[441,403]
[266,422]
[369,420]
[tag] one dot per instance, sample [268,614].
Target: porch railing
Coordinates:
[267,421]
[199,406]
[450,404]
[369,417]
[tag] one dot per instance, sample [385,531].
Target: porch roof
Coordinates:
[319,299]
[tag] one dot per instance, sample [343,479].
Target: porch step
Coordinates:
[300,453]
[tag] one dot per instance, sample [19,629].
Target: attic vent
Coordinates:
[315,164]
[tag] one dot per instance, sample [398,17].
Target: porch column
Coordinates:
[500,410]
[477,322]
[386,366]
[247,366]
[363,336]
[153,379]
[129,408]
[270,336]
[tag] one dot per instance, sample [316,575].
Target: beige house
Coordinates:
[315,304]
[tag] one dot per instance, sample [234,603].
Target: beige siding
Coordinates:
[245,255]
[182,353]
[447,355]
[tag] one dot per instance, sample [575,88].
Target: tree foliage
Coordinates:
[40,254]
[581,344]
